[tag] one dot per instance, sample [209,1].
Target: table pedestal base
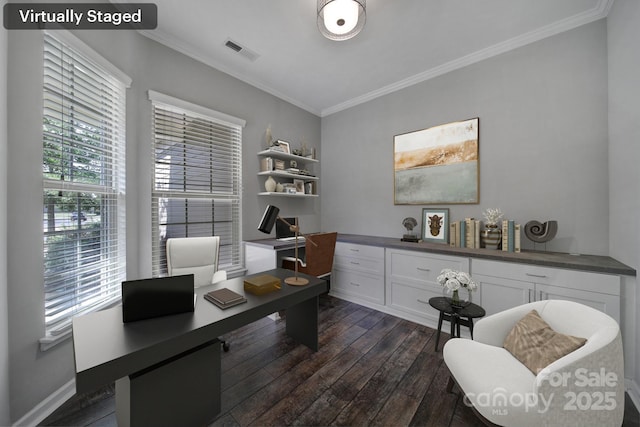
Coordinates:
[184,390]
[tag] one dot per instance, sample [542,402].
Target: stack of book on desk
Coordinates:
[224,298]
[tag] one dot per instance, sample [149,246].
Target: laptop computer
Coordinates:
[162,296]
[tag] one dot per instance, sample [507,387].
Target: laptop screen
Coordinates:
[147,298]
[282,229]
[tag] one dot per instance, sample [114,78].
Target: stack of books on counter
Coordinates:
[466,234]
[511,241]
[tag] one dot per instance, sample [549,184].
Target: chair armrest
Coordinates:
[293,259]
[219,276]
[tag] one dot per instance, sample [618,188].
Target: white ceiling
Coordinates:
[402,43]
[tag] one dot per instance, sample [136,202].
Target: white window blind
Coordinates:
[197,155]
[83,169]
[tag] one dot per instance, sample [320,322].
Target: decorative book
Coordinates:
[262,284]
[224,298]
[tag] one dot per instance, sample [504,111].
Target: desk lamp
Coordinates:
[267,222]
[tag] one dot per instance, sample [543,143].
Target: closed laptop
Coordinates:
[162,296]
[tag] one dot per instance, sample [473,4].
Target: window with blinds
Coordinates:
[83,170]
[197,174]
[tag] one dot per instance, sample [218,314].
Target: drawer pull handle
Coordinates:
[355,263]
[536,275]
[423,269]
[354,284]
[354,250]
[422,302]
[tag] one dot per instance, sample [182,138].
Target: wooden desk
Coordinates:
[167,369]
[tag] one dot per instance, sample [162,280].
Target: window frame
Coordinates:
[111,169]
[231,241]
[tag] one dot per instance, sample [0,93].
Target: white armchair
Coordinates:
[197,256]
[583,388]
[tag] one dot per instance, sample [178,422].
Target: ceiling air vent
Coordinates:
[243,51]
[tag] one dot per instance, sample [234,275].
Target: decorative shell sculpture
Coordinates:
[409,223]
[541,232]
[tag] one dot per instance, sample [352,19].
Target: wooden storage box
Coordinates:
[262,284]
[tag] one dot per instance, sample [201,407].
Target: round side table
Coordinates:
[455,315]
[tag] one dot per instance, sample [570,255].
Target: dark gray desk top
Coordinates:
[105,349]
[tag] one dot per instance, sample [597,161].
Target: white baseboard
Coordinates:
[45,408]
[633,390]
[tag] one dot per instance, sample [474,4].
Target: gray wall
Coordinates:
[544,151]
[543,142]
[4,328]
[35,374]
[624,149]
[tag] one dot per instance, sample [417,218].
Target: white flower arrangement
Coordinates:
[492,216]
[453,280]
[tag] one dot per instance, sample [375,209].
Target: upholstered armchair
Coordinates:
[583,388]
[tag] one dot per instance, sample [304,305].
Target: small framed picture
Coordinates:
[435,225]
[299,184]
[286,148]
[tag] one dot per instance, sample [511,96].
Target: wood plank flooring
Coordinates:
[372,369]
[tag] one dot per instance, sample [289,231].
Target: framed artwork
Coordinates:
[299,184]
[437,165]
[435,225]
[284,145]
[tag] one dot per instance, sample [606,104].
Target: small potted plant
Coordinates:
[453,281]
[492,235]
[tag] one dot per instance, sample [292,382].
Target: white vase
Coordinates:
[270,184]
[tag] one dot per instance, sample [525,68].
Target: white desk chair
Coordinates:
[197,256]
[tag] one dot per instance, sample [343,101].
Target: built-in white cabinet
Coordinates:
[503,285]
[358,274]
[411,282]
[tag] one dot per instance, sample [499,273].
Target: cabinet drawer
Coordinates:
[365,265]
[413,299]
[358,251]
[573,279]
[421,267]
[362,286]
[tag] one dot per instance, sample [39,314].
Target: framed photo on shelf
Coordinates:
[286,147]
[435,225]
[299,184]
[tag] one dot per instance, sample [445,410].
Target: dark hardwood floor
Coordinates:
[372,369]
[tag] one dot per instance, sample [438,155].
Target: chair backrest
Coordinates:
[319,259]
[194,255]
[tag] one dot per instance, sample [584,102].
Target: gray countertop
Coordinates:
[595,263]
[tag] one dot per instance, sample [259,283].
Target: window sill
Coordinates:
[50,341]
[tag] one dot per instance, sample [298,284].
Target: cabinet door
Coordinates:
[497,294]
[357,285]
[606,303]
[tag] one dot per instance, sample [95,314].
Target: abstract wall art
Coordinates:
[437,165]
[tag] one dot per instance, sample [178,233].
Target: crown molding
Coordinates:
[190,52]
[601,10]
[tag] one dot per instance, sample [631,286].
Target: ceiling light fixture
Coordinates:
[341,19]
